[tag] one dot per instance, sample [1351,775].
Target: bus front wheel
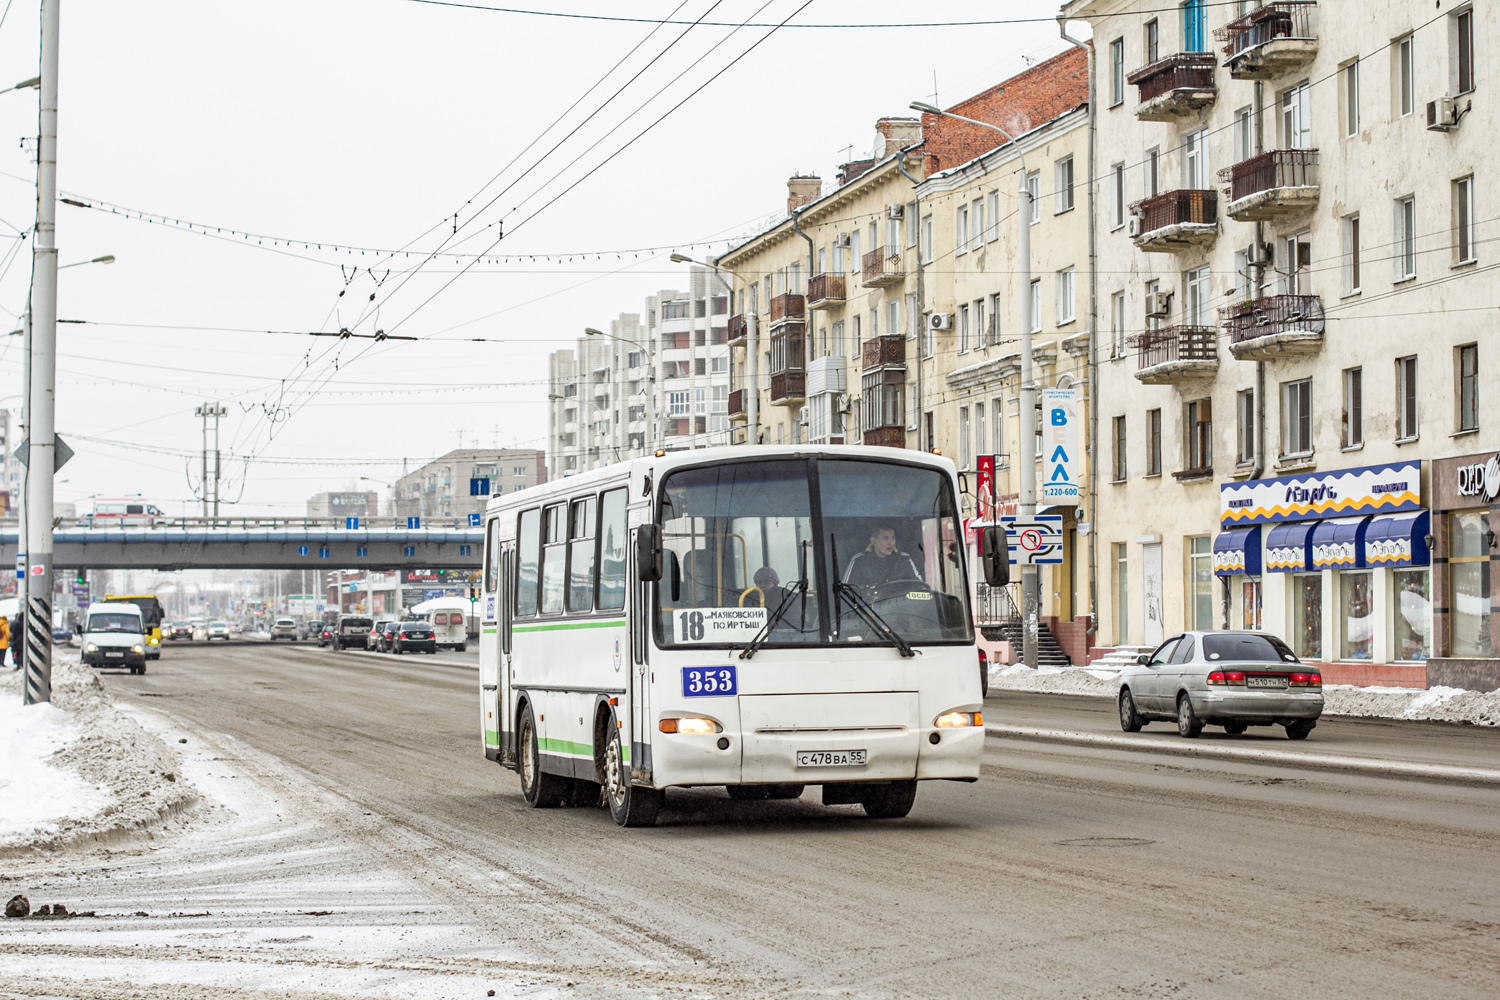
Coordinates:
[630,805]
[541,790]
[889,801]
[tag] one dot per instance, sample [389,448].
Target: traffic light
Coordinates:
[81,577]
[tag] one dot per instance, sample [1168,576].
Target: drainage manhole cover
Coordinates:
[1105,842]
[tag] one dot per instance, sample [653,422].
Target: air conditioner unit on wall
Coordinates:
[895,211]
[939,321]
[841,240]
[1258,254]
[1442,115]
[1158,305]
[1133,225]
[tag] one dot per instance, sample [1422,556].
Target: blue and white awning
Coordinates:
[1398,540]
[1339,543]
[1288,548]
[1237,552]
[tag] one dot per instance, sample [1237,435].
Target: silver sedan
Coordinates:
[1229,679]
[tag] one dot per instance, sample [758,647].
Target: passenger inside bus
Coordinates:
[768,593]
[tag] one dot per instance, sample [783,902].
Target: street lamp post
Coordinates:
[1030,583]
[752,349]
[650,348]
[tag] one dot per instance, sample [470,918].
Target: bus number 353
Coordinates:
[705,681]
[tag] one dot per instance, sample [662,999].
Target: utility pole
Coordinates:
[211,411]
[41,389]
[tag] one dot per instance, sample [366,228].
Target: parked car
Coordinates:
[1229,679]
[218,630]
[352,630]
[414,637]
[284,628]
[180,630]
[376,640]
[326,634]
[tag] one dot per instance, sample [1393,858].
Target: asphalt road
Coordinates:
[1067,871]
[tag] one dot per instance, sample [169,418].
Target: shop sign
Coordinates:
[1062,464]
[1479,479]
[984,486]
[1466,481]
[1374,489]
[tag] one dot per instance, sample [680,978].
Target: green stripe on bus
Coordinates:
[567,747]
[561,626]
[491,737]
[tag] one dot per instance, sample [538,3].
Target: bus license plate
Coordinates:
[831,758]
[709,682]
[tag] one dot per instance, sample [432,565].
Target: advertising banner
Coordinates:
[1373,489]
[1061,464]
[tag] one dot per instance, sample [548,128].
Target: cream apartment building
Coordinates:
[1294,272]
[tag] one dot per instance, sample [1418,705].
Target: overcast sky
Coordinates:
[369,123]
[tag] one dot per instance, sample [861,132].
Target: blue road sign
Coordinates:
[351,523]
[302,550]
[322,552]
[479,487]
[476,521]
[413,522]
[361,550]
[408,551]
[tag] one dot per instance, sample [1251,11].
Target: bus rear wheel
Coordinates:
[889,801]
[541,790]
[629,805]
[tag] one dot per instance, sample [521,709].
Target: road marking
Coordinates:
[1317,761]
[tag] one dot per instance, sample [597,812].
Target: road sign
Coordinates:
[60,453]
[1035,541]
[351,523]
[479,487]
[302,550]
[1061,465]
[413,523]
[476,520]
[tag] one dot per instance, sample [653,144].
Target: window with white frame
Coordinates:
[1117,175]
[1464,247]
[838,338]
[980,439]
[993,333]
[855,260]
[1349,94]
[913,317]
[1462,46]
[1197,298]
[1117,324]
[1407,427]
[926,241]
[1065,296]
[1405,71]
[912,223]
[1352,421]
[1063,171]
[1036,305]
[1153,172]
[961,229]
[1296,272]
[1200,435]
[1466,367]
[1195,160]
[1117,72]
[1034,195]
[1245,425]
[893,318]
[992,216]
[854,331]
[874,328]
[997,416]
[1244,134]
[1405,254]
[979,332]
[1120,443]
[1351,253]
[1296,418]
[976,224]
[1296,117]
[963,329]
[963,437]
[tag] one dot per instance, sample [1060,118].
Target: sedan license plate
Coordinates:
[1265,682]
[832,758]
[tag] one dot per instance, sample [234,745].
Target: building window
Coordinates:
[992,231]
[976,228]
[1200,442]
[1469,584]
[1065,296]
[893,318]
[1120,443]
[912,223]
[1245,417]
[1296,117]
[881,391]
[1119,191]
[1406,238]
[1036,305]
[1351,254]
[1117,324]
[1244,134]
[1064,176]
[1463,221]
[961,229]
[1350,94]
[1117,72]
[1405,78]
[1468,387]
[926,240]
[1406,398]
[1153,442]
[1197,304]
[1250,597]
[1307,615]
[1413,607]
[963,329]
[997,409]
[980,438]
[1354,408]
[1195,160]
[963,437]
[854,329]
[1463,51]
[1296,418]
[1153,172]
[1201,582]
[978,315]
[1152,40]
[1034,195]
[1122,593]
[1355,617]
[994,321]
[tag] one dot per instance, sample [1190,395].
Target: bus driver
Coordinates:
[881,562]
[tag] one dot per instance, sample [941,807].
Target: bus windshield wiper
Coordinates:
[800,587]
[861,607]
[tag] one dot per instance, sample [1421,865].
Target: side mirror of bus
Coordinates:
[648,552]
[994,553]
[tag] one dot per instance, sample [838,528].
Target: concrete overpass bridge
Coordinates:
[264,543]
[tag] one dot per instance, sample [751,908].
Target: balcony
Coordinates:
[788,388]
[1176,221]
[1176,87]
[886,351]
[1276,183]
[882,266]
[737,404]
[738,327]
[1271,40]
[824,291]
[1275,327]
[886,437]
[788,308]
[1176,354]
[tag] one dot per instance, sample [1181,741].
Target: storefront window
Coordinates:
[1307,615]
[1249,603]
[1413,614]
[1201,582]
[1469,579]
[1356,622]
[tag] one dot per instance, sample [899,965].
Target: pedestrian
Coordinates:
[4,639]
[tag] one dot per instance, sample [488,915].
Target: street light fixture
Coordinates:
[1029,580]
[33,84]
[752,350]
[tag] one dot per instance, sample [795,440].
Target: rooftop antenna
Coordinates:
[934,94]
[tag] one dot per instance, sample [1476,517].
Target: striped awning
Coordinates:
[1289,548]
[1339,543]
[1237,552]
[1398,540]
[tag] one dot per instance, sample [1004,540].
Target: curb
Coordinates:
[1410,770]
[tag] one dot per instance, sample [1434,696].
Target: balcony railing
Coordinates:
[886,437]
[824,290]
[1271,184]
[1176,86]
[788,387]
[787,307]
[736,403]
[887,350]
[1276,325]
[883,266]
[1273,38]
[1176,220]
[737,328]
[1176,343]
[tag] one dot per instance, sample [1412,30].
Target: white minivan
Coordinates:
[114,635]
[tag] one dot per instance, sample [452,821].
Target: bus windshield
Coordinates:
[746,545]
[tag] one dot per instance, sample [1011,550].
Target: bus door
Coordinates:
[638,685]
[504,610]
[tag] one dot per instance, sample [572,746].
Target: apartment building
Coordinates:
[600,393]
[1292,267]
[441,488]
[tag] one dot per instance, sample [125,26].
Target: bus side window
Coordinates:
[492,557]
[581,555]
[528,552]
[612,534]
[554,558]
[505,615]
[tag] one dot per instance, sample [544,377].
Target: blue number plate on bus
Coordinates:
[704,682]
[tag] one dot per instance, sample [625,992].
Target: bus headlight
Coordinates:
[690,727]
[155,641]
[956,720]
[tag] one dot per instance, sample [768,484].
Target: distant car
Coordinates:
[414,637]
[352,630]
[218,630]
[1229,679]
[284,628]
[375,639]
[181,630]
[236,628]
[385,637]
[326,634]
[63,635]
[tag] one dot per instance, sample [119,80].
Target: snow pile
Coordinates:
[78,770]
[1055,680]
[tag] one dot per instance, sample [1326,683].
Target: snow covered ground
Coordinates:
[1443,704]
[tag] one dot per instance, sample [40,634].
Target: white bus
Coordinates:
[763,618]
